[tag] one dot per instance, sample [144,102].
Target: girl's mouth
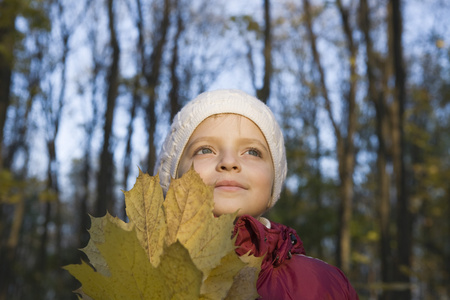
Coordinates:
[229,185]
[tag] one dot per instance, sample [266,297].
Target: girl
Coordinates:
[235,144]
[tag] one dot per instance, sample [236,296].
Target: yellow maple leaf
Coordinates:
[244,282]
[132,276]
[172,248]
[220,279]
[144,209]
[190,220]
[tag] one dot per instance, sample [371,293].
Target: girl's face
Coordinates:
[231,154]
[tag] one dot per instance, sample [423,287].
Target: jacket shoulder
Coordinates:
[304,277]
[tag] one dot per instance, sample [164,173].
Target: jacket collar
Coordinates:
[278,243]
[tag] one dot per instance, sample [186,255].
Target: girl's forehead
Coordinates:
[228,120]
[225,116]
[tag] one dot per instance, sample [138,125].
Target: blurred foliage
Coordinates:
[11,190]
[42,225]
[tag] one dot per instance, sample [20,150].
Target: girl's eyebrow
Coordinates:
[255,141]
[200,140]
[214,139]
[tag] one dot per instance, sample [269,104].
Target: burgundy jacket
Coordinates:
[286,273]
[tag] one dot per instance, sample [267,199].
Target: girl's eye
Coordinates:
[204,151]
[254,152]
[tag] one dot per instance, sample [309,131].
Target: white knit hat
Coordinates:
[221,102]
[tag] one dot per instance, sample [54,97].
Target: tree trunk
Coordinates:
[404,227]
[318,189]
[83,198]
[152,75]
[264,92]
[105,181]
[8,13]
[136,100]
[316,58]
[42,254]
[90,126]
[346,163]
[344,144]
[52,186]
[128,149]
[9,250]
[378,98]
[174,93]
[84,224]
[348,159]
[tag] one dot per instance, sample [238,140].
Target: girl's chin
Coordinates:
[219,212]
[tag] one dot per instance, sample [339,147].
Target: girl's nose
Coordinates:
[228,162]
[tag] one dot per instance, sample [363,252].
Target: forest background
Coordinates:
[361,88]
